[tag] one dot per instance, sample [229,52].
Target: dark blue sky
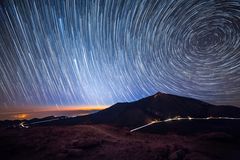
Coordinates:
[99,52]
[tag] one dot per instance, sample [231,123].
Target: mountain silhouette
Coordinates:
[159,106]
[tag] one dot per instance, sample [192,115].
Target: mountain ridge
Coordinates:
[159,106]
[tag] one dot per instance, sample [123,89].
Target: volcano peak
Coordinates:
[158,94]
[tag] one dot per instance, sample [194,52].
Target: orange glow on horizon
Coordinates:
[21,116]
[73,108]
[29,112]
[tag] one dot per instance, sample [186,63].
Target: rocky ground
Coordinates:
[95,142]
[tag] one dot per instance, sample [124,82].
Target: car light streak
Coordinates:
[178,118]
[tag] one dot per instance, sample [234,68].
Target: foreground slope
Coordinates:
[94,142]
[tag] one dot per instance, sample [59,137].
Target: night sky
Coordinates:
[96,52]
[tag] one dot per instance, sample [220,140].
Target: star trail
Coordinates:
[100,52]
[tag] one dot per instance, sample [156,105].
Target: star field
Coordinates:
[106,51]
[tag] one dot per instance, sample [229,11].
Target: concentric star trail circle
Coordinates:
[106,51]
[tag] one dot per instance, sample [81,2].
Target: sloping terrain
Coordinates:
[94,142]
